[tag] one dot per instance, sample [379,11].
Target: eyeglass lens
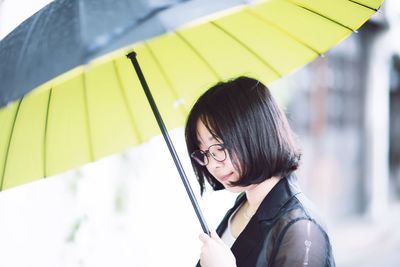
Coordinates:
[216,151]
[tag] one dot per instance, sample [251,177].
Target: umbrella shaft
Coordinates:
[189,191]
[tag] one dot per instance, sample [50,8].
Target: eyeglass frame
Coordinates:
[207,153]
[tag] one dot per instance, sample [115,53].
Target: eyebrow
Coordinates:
[211,138]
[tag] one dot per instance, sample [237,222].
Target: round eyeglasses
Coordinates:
[216,151]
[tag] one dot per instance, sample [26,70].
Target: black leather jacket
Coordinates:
[283,232]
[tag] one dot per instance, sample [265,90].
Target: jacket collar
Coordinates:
[280,194]
[252,234]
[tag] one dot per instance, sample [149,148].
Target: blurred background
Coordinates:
[345,110]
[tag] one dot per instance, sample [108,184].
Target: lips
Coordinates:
[225,177]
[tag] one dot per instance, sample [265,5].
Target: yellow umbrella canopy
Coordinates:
[99,108]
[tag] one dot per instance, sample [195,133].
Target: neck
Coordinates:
[256,194]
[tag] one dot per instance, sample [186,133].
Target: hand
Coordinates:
[214,252]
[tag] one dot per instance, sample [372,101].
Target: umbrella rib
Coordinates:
[45,135]
[9,144]
[270,23]
[325,17]
[164,74]
[89,130]
[198,54]
[363,5]
[247,48]
[125,99]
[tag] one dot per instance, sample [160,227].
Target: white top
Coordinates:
[227,236]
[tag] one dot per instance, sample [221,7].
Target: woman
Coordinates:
[239,140]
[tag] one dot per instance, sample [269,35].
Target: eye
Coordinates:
[221,147]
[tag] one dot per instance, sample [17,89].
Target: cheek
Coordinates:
[235,163]
[209,169]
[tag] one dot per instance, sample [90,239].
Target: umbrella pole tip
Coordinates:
[131,55]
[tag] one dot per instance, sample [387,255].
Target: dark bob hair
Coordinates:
[243,114]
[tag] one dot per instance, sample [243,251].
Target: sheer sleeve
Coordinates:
[304,243]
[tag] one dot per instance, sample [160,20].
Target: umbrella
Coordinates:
[69,94]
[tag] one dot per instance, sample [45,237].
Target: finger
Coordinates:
[214,234]
[216,237]
[204,237]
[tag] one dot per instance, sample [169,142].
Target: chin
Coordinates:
[235,189]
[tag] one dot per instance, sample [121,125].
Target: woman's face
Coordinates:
[224,171]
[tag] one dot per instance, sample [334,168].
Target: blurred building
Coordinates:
[345,109]
[394,138]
